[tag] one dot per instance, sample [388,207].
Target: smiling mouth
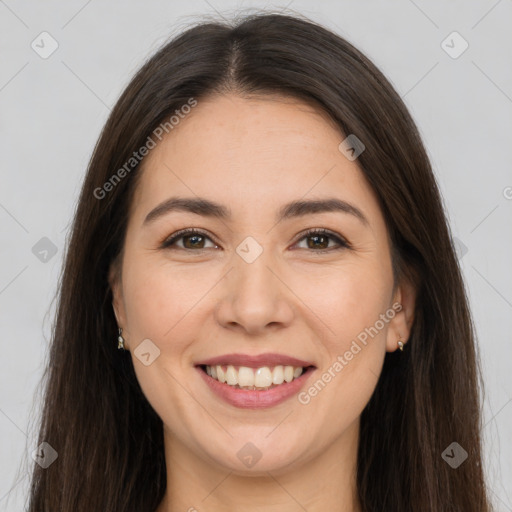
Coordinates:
[255,379]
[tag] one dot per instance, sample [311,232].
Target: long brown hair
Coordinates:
[108,438]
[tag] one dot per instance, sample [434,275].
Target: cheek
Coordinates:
[349,303]
[346,299]
[160,306]
[158,298]
[337,301]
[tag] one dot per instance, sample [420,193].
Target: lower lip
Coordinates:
[247,399]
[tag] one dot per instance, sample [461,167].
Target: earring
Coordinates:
[400,343]
[120,340]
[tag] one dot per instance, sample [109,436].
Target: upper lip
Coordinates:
[267,359]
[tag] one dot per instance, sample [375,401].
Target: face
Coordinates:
[257,285]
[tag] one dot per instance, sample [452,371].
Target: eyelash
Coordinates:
[343,244]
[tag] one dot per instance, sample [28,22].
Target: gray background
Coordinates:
[52,111]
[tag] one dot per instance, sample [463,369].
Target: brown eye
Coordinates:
[318,240]
[192,239]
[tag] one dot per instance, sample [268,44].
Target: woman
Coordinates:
[261,307]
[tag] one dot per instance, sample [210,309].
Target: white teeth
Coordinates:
[263,377]
[221,377]
[253,378]
[278,375]
[288,373]
[245,376]
[231,376]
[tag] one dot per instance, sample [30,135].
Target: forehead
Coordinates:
[251,154]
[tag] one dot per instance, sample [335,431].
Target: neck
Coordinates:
[325,482]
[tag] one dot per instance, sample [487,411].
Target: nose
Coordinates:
[254,299]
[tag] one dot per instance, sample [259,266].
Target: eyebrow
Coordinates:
[207,208]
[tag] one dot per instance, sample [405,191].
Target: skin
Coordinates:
[253,155]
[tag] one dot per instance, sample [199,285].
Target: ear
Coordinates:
[116,285]
[404,302]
